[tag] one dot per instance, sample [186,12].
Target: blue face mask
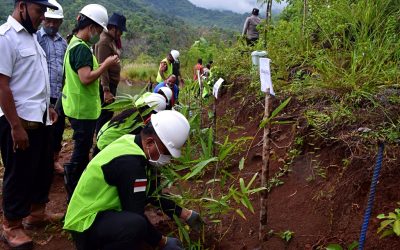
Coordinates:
[51,31]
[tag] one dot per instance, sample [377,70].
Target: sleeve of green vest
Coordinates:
[127,173]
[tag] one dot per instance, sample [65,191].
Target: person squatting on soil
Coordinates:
[107,208]
[109,45]
[54,46]
[80,95]
[165,69]
[25,119]
[129,121]
[250,27]
[169,83]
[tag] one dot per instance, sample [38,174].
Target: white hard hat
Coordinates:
[55,14]
[156,100]
[173,130]
[167,92]
[175,54]
[97,13]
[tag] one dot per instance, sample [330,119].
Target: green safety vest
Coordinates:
[108,134]
[80,101]
[166,73]
[93,194]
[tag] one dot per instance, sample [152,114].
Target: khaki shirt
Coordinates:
[104,48]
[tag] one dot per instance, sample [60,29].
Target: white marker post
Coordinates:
[216,88]
[266,86]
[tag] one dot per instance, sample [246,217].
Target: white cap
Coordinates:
[173,130]
[54,14]
[97,13]
[175,54]
[167,92]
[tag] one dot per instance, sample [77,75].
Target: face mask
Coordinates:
[161,161]
[27,23]
[51,31]
[93,39]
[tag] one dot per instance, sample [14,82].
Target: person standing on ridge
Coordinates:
[198,67]
[109,45]
[250,27]
[54,45]
[80,95]
[25,119]
[165,68]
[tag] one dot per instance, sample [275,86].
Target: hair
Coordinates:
[200,61]
[211,62]
[111,26]
[83,22]
[255,11]
[148,130]
[208,66]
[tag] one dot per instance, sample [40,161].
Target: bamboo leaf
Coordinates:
[199,167]
[275,112]
[386,233]
[392,215]
[353,245]
[384,224]
[239,212]
[334,247]
[396,227]
[251,181]
[381,216]
[242,186]
[241,164]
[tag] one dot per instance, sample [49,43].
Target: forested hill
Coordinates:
[198,16]
[153,29]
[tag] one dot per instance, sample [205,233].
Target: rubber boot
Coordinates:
[72,173]
[39,217]
[14,235]
[58,169]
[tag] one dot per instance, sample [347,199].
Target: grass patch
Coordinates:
[140,72]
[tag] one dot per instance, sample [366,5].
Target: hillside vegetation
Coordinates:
[152,30]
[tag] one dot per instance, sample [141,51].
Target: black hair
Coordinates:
[200,61]
[211,62]
[208,66]
[255,11]
[83,22]
[148,130]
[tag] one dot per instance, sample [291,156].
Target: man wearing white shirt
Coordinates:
[25,116]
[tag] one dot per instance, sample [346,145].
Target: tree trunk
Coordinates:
[265,172]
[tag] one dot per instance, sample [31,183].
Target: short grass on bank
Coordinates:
[140,72]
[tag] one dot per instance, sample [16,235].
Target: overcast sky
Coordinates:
[239,6]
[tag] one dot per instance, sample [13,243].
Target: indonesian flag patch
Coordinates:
[139,185]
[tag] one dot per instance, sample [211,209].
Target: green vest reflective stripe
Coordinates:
[166,73]
[93,194]
[80,101]
[108,134]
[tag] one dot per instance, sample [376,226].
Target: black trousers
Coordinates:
[114,230]
[105,115]
[58,127]
[83,140]
[28,173]
[251,42]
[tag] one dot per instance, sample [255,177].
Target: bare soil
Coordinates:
[322,199]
